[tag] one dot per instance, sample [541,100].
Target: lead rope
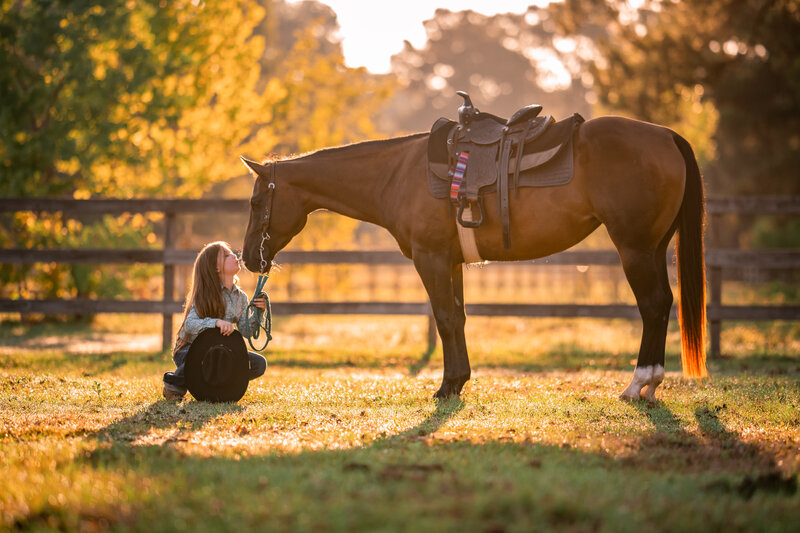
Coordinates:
[262,319]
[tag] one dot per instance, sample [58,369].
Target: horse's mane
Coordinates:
[322,152]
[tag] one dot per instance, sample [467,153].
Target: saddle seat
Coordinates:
[488,129]
[526,150]
[526,113]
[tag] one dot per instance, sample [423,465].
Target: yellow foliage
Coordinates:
[192,147]
[324,102]
[697,119]
[232,107]
[698,122]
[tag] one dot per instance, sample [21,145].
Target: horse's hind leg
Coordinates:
[646,271]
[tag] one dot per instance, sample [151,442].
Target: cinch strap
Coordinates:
[466,238]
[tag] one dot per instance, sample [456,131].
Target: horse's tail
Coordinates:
[691,267]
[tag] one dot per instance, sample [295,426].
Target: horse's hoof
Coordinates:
[451,387]
[444,393]
[447,390]
[628,398]
[649,395]
[644,383]
[651,401]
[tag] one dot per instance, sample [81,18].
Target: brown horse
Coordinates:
[640,180]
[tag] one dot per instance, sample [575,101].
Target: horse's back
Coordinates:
[626,134]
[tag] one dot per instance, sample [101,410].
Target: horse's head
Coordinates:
[277,214]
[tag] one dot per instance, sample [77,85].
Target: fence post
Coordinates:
[169,280]
[715,284]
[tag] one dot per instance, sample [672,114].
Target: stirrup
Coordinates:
[463,203]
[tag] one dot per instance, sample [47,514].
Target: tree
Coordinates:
[504,61]
[324,102]
[696,60]
[321,102]
[157,99]
[105,99]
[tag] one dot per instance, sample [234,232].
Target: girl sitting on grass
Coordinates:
[214,300]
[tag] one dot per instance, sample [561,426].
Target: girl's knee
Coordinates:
[179,356]
[258,365]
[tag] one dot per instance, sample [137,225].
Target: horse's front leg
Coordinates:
[444,283]
[461,319]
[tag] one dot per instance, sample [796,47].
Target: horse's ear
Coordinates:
[255,169]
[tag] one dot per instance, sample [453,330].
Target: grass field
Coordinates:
[342,433]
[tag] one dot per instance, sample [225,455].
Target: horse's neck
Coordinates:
[338,187]
[352,180]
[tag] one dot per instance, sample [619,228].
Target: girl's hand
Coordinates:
[261,303]
[225,327]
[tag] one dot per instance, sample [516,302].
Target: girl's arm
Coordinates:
[194,324]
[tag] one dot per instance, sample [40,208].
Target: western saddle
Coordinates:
[481,150]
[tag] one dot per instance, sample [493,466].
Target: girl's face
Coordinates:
[227,263]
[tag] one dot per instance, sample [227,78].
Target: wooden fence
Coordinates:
[717,260]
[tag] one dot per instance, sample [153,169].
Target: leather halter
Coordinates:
[265,221]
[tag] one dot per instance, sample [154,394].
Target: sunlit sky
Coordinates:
[373,30]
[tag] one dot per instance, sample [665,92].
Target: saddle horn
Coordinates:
[467,110]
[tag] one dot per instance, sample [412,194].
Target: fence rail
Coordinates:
[756,205]
[768,259]
[717,260]
[86,306]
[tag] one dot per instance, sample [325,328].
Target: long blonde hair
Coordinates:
[205,293]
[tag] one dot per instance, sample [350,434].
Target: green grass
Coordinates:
[341,435]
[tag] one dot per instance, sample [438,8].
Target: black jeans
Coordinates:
[175,381]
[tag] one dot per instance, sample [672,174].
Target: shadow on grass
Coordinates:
[398,482]
[418,366]
[186,418]
[445,410]
[756,364]
[183,419]
[405,481]
[669,447]
[87,364]
[717,450]
[15,332]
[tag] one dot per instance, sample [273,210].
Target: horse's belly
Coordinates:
[543,221]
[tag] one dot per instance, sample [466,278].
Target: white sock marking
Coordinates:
[646,376]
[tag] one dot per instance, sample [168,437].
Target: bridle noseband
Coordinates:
[265,222]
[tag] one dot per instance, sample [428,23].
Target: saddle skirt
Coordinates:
[546,159]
